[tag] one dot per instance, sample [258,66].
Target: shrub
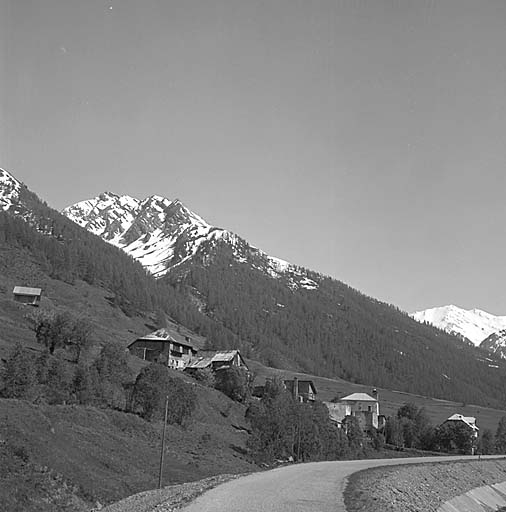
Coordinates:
[233,382]
[20,375]
[205,376]
[151,388]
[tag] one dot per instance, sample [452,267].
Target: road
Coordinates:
[312,487]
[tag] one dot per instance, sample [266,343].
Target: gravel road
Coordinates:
[312,487]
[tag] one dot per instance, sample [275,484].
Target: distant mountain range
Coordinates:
[480,328]
[236,296]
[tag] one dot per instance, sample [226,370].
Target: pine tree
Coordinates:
[83,385]
[486,443]
[59,382]
[19,375]
[500,436]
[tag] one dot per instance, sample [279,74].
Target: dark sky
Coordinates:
[364,139]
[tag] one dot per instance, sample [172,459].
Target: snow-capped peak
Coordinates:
[10,188]
[474,324]
[163,234]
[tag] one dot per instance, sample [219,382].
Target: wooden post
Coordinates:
[160,472]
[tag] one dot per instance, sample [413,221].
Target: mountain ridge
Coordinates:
[474,324]
[162,234]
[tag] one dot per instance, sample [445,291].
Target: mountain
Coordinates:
[162,234]
[284,315]
[9,190]
[496,344]
[474,325]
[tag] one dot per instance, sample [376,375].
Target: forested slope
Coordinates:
[336,331]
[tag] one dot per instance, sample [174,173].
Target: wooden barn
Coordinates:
[165,346]
[217,359]
[27,295]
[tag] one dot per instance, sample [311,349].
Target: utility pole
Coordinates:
[160,472]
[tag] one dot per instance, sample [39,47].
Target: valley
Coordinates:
[132,264]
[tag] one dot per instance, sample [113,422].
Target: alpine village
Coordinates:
[141,347]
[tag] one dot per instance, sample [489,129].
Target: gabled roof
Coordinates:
[358,397]
[207,357]
[24,290]
[164,335]
[470,421]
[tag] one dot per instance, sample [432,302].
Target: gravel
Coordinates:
[168,499]
[417,488]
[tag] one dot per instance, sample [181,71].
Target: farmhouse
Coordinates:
[362,406]
[26,295]
[468,421]
[165,346]
[301,390]
[216,360]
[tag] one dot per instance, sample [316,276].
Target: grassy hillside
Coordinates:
[438,410]
[91,454]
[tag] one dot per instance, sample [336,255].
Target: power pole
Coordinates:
[160,472]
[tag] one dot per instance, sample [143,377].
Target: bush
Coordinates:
[59,382]
[20,375]
[151,388]
[205,376]
[110,374]
[233,382]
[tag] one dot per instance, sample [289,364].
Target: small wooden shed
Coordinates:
[27,295]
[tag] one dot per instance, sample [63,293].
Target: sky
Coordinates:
[364,139]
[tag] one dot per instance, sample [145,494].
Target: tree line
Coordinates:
[411,428]
[60,375]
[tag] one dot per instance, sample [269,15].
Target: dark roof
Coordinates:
[207,357]
[25,290]
[164,335]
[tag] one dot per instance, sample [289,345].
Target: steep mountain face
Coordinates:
[10,188]
[495,344]
[475,325]
[163,234]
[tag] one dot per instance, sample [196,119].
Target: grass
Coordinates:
[107,455]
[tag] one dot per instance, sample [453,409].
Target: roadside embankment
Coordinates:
[168,499]
[423,487]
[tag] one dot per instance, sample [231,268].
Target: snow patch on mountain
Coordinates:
[496,343]
[10,188]
[473,324]
[163,234]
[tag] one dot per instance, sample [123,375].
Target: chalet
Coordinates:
[216,360]
[165,346]
[362,406]
[26,295]
[301,390]
[468,421]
